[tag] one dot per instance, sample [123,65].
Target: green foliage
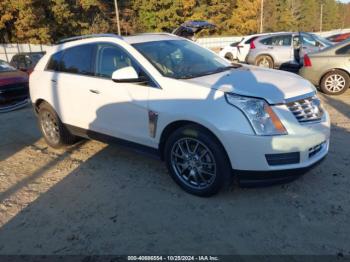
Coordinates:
[44,21]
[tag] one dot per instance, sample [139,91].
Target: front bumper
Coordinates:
[251,153]
[267,178]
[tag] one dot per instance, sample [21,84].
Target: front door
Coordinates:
[120,109]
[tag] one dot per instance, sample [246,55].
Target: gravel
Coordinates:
[95,198]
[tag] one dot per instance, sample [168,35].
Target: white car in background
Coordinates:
[238,51]
[167,95]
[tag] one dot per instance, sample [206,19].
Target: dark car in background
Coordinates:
[14,91]
[190,28]
[26,61]
[339,37]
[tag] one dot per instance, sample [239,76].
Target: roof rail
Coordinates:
[155,33]
[74,38]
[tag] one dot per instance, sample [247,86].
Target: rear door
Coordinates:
[280,48]
[344,57]
[71,81]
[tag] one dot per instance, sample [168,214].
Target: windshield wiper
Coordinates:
[222,69]
[218,70]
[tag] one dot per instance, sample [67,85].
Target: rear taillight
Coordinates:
[307,61]
[252,45]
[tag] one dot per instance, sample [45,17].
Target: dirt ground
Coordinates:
[95,198]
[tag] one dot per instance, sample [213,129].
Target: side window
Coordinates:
[345,50]
[308,41]
[55,62]
[111,58]
[78,60]
[14,61]
[22,62]
[267,41]
[282,40]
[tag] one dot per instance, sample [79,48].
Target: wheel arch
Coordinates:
[37,104]
[173,126]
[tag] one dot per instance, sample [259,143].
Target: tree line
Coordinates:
[46,21]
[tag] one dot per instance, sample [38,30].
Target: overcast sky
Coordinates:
[344,1]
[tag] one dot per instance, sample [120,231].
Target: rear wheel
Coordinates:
[264,61]
[197,161]
[229,56]
[335,82]
[53,130]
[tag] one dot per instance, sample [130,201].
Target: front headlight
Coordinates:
[260,115]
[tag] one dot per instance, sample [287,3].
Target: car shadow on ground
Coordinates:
[114,201]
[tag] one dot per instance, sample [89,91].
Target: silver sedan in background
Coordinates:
[329,69]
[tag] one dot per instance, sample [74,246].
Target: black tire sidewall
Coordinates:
[46,108]
[224,170]
[229,56]
[338,72]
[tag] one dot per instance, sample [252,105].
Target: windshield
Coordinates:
[324,41]
[5,67]
[181,58]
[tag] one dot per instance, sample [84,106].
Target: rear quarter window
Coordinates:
[345,50]
[250,40]
[54,62]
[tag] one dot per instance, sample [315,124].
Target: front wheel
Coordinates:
[335,82]
[197,161]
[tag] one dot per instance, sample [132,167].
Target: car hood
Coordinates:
[12,77]
[272,85]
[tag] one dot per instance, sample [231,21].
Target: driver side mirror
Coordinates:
[127,75]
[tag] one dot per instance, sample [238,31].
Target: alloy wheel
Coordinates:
[50,127]
[264,62]
[194,163]
[335,83]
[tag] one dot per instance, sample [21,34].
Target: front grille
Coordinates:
[306,110]
[283,159]
[13,92]
[314,150]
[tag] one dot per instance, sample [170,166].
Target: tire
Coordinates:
[264,61]
[202,168]
[335,82]
[229,56]
[53,130]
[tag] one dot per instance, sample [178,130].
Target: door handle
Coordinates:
[94,91]
[53,81]
[270,47]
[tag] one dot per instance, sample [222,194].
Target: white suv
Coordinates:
[206,118]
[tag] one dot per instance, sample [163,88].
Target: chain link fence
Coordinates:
[7,51]
[214,43]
